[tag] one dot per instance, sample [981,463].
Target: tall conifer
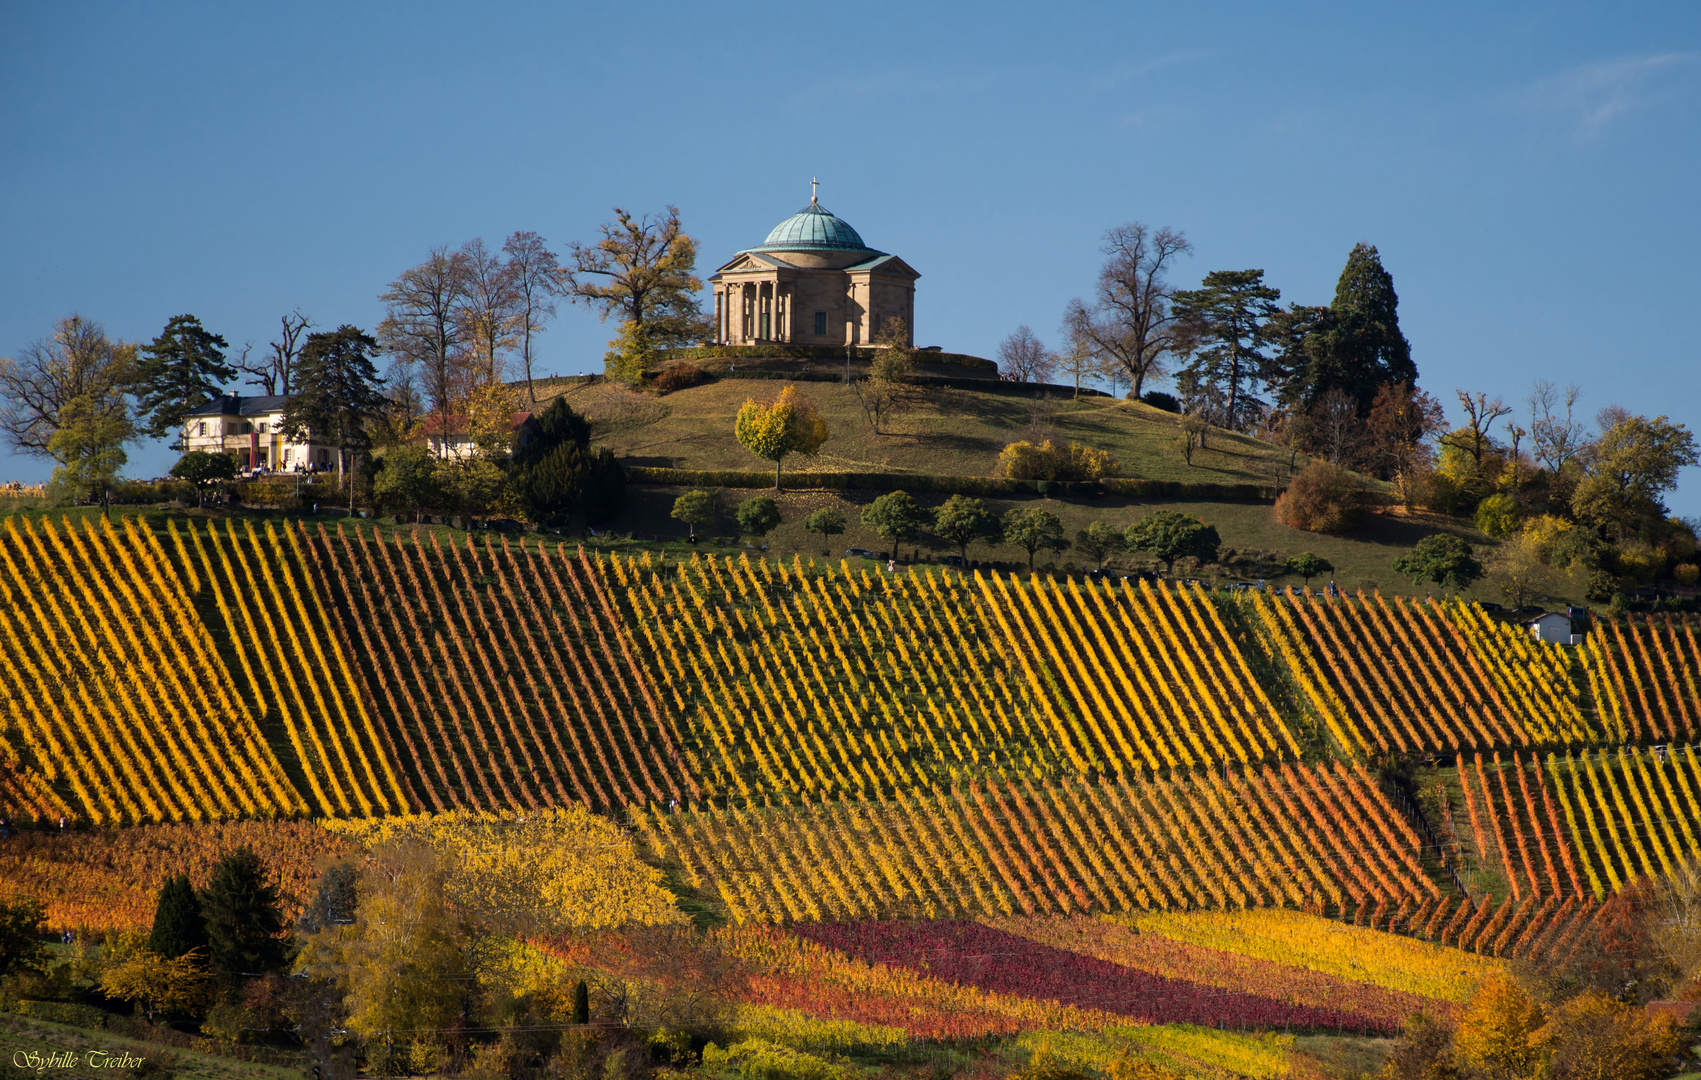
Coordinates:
[243,916]
[178,924]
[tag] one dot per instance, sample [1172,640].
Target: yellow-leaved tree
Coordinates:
[790,424]
[539,872]
[1593,1037]
[1499,1031]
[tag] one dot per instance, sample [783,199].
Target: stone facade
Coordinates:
[813,282]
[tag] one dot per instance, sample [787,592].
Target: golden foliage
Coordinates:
[1498,1032]
[161,985]
[1593,1037]
[539,872]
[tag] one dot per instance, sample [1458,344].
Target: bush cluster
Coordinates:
[982,486]
[1322,499]
[681,375]
[1047,461]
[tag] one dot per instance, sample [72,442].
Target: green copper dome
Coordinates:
[813,228]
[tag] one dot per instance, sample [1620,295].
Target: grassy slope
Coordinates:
[957,433]
[960,432]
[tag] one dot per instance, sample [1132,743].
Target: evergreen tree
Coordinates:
[336,393]
[182,369]
[243,917]
[581,1003]
[557,472]
[178,924]
[1354,345]
[1225,331]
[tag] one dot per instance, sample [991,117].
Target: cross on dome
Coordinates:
[814,186]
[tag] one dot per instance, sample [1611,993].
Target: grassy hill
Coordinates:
[960,431]
[956,432]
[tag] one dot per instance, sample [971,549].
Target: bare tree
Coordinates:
[535,275]
[424,325]
[274,373]
[644,271]
[1476,437]
[78,361]
[1130,322]
[1023,357]
[1335,428]
[1556,438]
[487,312]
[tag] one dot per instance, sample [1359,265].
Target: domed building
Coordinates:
[812,282]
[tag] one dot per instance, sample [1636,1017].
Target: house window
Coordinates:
[203,430]
[820,324]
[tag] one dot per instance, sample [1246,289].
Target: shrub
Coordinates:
[758,516]
[1157,399]
[1074,462]
[1321,499]
[681,375]
[1498,515]
[1687,573]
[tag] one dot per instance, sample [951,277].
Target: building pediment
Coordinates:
[746,261]
[885,264]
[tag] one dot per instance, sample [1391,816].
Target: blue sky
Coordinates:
[1529,171]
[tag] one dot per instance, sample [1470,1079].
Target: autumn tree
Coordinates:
[643,272]
[178,372]
[1593,1037]
[897,517]
[1033,529]
[1323,498]
[1131,322]
[161,985]
[1628,470]
[22,925]
[962,521]
[1476,438]
[1170,535]
[1403,420]
[1023,357]
[696,507]
[89,445]
[78,361]
[1497,1032]
[535,276]
[400,962]
[1223,326]
[790,424]
[275,372]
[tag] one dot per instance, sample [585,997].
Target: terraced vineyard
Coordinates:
[803,743]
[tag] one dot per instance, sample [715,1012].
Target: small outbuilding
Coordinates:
[1554,628]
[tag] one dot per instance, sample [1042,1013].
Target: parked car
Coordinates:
[859,553]
[956,561]
[1241,586]
[1102,575]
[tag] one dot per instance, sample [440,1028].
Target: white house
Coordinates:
[251,428]
[449,435]
[1554,628]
